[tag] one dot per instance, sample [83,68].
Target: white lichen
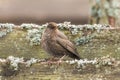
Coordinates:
[5,28]
[34,36]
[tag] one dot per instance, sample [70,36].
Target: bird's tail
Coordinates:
[76,56]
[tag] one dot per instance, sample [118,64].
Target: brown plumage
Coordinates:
[56,43]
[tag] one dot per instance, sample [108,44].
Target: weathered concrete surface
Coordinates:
[104,43]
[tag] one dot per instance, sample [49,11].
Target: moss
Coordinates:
[15,44]
[104,43]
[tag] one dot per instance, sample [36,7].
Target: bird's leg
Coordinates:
[52,60]
[60,60]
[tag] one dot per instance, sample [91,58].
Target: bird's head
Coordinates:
[52,25]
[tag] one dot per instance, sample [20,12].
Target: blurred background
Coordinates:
[42,11]
[105,12]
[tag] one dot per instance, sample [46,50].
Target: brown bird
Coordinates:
[57,44]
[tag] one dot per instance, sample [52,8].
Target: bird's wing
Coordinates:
[67,45]
[61,35]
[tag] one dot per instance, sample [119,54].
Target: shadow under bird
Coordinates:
[56,43]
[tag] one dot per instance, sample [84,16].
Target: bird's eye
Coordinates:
[52,27]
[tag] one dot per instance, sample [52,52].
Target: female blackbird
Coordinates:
[57,44]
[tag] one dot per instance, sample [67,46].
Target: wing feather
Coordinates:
[69,46]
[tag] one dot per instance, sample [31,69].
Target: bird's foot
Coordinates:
[51,61]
